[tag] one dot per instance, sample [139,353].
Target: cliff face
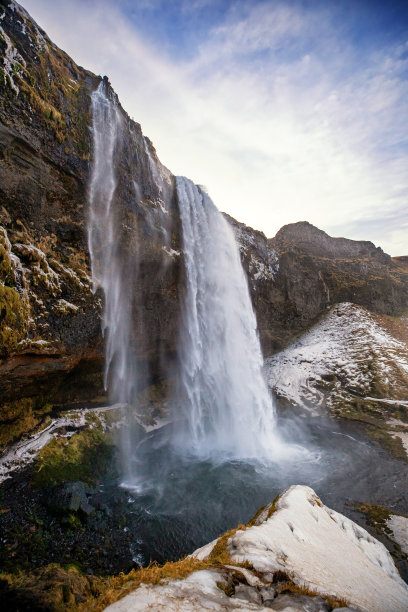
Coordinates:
[49,318]
[51,347]
[295,276]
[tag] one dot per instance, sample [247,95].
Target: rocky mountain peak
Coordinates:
[314,241]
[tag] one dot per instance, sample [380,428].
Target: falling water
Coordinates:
[108,262]
[107,272]
[221,405]
[226,404]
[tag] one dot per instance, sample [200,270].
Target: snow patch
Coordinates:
[162,207]
[349,349]
[263,267]
[171,252]
[324,550]
[63,307]
[205,551]
[399,527]
[403,436]
[11,61]
[41,270]
[196,593]
[23,27]
[71,274]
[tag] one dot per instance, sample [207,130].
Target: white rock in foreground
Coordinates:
[315,546]
[199,591]
[325,551]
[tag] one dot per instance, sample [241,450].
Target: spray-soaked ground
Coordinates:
[178,504]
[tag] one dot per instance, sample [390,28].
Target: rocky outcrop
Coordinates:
[295,276]
[353,364]
[296,554]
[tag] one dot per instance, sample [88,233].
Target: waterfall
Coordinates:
[109,264]
[221,405]
[222,394]
[103,232]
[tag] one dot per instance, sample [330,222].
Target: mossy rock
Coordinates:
[83,457]
[6,270]
[51,588]
[21,416]
[14,311]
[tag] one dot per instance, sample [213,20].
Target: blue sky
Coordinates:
[284,110]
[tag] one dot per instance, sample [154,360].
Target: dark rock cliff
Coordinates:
[51,347]
[49,317]
[296,275]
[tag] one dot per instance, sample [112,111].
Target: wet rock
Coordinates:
[268,594]
[86,508]
[247,593]
[299,603]
[72,497]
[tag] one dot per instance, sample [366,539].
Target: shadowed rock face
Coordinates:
[51,348]
[296,275]
[44,165]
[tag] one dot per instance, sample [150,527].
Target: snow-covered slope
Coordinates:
[352,362]
[296,555]
[346,353]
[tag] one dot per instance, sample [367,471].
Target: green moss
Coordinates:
[84,456]
[227,587]
[62,102]
[51,588]
[377,516]
[6,270]
[289,586]
[21,416]
[14,311]
[254,519]
[392,443]
[400,413]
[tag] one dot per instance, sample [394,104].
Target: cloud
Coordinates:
[277,111]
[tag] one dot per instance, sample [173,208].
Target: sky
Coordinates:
[285,110]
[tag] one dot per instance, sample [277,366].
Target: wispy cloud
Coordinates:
[277,111]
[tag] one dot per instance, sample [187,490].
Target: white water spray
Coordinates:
[107,271]
[225,400]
